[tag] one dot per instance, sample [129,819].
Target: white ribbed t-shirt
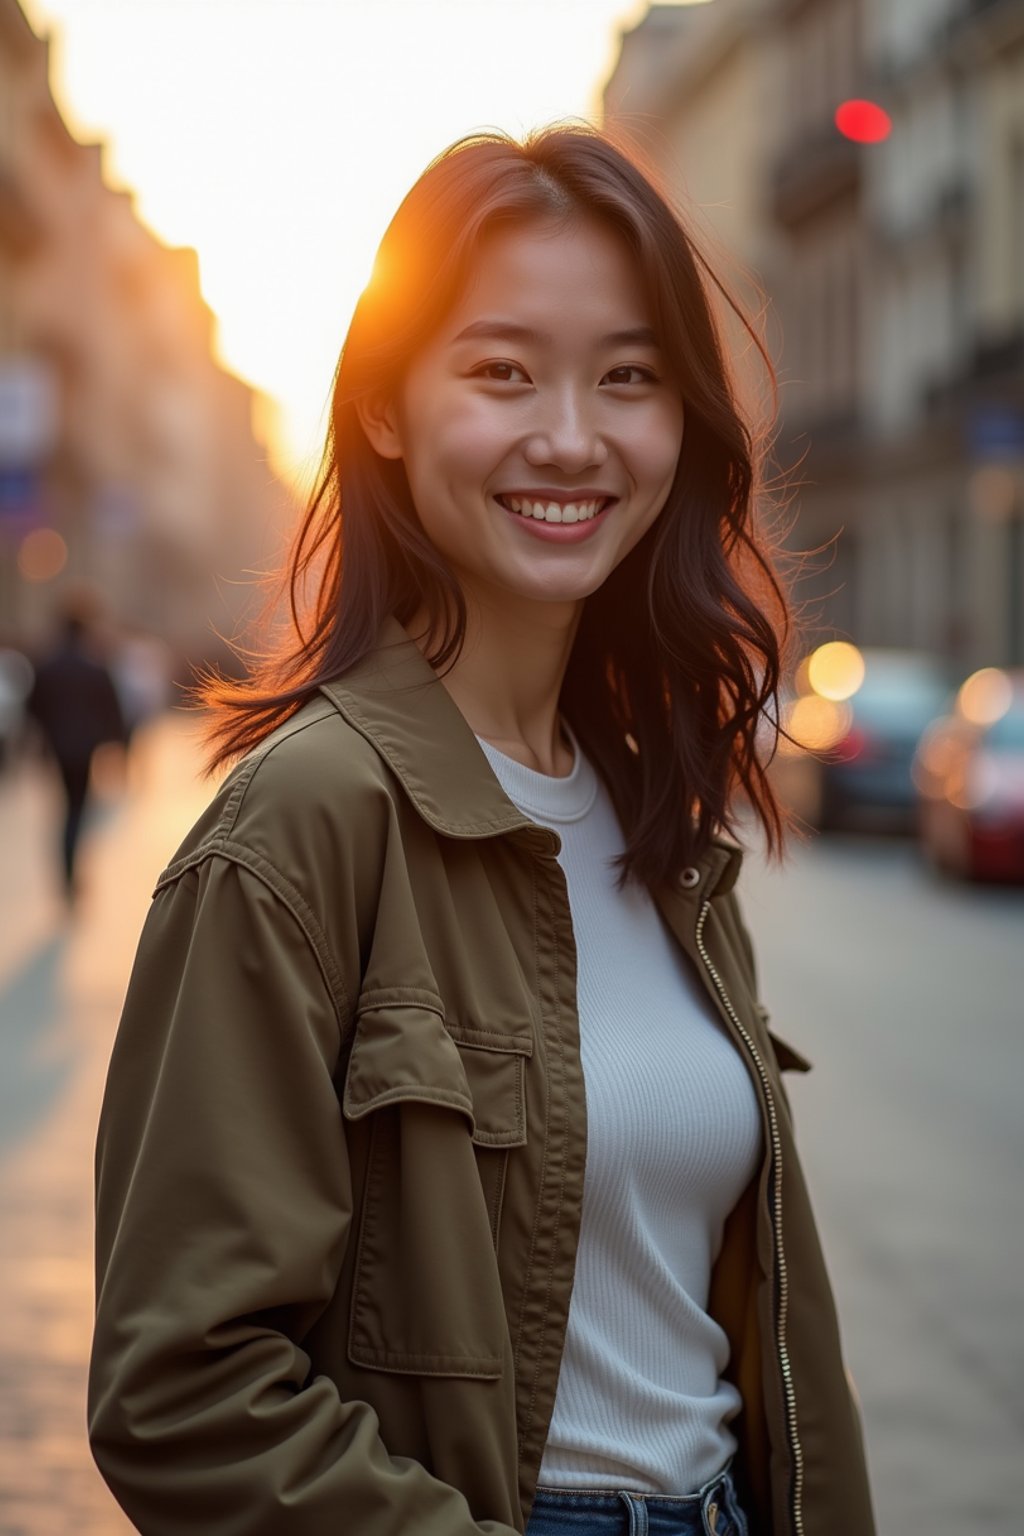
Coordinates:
[673,1137]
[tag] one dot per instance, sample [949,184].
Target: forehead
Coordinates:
[554,276]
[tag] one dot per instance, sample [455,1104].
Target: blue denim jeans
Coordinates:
[713,1511]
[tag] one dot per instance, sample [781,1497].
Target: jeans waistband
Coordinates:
[713,1510]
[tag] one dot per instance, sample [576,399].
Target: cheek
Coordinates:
[653,446]
[453,447]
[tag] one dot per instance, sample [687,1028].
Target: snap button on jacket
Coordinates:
[341,1155]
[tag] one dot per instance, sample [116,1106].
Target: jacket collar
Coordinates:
[396,701]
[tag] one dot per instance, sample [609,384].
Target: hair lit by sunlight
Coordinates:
[288,162]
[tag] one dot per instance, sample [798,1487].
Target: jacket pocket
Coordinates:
[426,1291]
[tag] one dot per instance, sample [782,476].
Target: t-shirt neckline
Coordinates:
[552,797]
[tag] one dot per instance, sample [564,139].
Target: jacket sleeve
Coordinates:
[223,1212]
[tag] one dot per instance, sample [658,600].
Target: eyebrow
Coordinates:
[508,330]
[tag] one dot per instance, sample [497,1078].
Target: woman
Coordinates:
[460,928]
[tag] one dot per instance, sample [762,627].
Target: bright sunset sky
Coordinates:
[278,136]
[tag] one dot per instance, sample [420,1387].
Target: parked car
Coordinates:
[969,775]
[858,715]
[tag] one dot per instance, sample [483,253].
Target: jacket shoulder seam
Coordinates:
[264,871]
[248,769]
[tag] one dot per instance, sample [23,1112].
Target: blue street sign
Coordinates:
[996,431]
[19,494]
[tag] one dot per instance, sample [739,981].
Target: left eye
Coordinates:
[629,373]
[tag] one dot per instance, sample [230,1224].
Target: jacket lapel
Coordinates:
[394,698]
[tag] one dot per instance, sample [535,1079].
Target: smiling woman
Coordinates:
[536,327]
[446,1180]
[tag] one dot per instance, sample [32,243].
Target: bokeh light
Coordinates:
[937,759]
[836,670]
[42,555]
[985,697]
[817,724]
[865,122]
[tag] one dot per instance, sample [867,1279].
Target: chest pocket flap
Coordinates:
[404,1052]
[442,1115]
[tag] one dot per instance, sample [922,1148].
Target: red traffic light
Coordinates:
[865,122]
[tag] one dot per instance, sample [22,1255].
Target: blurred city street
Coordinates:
[61,986]
[905,992]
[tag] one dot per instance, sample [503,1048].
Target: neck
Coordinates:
[508,677]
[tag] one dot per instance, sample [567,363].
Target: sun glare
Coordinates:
[280,147]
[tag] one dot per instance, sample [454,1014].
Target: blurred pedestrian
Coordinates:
[446,1182]
[74,703]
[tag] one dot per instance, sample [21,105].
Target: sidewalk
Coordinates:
[61,985]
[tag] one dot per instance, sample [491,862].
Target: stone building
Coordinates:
[128,456]
[894,273]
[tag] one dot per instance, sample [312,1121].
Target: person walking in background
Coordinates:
[75,705]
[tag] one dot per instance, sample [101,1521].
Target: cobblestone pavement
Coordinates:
[61,985]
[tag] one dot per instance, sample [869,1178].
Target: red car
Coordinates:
[969,775]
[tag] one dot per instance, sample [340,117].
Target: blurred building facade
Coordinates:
[128,456]
[895,275]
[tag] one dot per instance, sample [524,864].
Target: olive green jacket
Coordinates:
[341,1156]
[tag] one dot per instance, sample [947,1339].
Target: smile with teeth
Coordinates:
[553,511]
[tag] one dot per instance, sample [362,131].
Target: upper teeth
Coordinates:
[553,511]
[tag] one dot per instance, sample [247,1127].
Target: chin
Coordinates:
[567,593]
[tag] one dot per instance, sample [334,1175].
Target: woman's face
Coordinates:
[538,429]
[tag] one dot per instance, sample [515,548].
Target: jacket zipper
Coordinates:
[780,1256]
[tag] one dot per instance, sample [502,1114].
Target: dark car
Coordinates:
[858,715]
[969,773]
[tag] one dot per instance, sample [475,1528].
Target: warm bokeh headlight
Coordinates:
[937,760]
[836,670]
[985,697]
[817,724]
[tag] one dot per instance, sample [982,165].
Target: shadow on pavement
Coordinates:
[39,1056]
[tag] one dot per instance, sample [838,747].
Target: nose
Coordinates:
[566,435]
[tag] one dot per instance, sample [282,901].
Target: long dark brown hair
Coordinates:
[672,683]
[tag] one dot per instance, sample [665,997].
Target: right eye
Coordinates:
[501,372]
